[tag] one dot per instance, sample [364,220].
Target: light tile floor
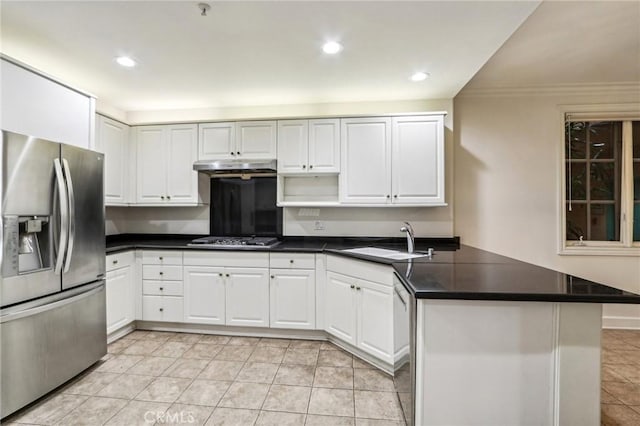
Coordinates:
[191,379]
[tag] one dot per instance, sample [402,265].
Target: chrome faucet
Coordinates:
[410,238]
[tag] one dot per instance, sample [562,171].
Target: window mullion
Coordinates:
[626,190]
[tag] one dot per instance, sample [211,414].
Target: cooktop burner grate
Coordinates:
[235,242]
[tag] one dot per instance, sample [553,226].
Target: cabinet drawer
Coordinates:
[292,260]
[118,260]
[227,259]
[162,288]
[161,257]
[161,272]
[162,308]
[371,271]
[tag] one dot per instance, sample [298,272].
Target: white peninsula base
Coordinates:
[507,363]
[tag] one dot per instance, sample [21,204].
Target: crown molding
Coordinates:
[552,90]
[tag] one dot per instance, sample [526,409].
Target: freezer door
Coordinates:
[29,221]
[85,256]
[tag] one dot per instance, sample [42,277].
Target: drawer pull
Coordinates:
[221,274]
[115,262]
[160,258]
[161,309]
[161,288]
[161,273]
[273,276]
[291,261]
[227,275]
[352,286]
[357,288]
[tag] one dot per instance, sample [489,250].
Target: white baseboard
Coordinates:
[627,323]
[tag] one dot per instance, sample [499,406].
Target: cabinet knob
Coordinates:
[238,152]
[273,276]
[311,166]
[115,262]
[161,309]
[220,274]
[388,196]
[162,197]
[357,288]
[291,261]
[160,257]
[233,153]
[161,288]
[168,197]
[352,286]
[227,275]
[395,196]
[161,273]
[304,166]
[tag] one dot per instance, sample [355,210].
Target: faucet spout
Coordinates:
[410,236]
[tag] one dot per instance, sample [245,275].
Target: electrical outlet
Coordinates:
[319,225]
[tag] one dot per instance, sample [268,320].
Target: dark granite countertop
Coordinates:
[454,272]
[473,274]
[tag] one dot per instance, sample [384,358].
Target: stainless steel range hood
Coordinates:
[229,168]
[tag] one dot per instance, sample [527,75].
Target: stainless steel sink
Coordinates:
[385,253]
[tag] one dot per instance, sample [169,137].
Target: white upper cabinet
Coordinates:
[244,140]
[418,160]
[112,139]
[397,161]
[309,146]
[217,141]
[256,140]
[38,106]
[165,156]
[366,161]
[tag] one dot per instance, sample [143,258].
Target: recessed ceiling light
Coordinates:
[331,47]
[126,61]
[419,76]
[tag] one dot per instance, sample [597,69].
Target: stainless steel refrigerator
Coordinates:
[52,257]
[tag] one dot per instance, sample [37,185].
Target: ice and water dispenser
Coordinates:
[27,245]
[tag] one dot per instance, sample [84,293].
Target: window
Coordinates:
[601,198]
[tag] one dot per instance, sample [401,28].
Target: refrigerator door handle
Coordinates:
[72,214]
[64,215]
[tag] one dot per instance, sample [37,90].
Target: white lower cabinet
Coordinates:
[226,288]
[292,298]
[357,310]
[204,295]
[162,308]
[247,297]
[340,307]
[120,291]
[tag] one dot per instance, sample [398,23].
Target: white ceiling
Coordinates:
[258,53]
[569,43]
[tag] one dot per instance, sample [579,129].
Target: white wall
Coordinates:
[507,153]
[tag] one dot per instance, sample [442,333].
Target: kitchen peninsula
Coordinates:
[511,342]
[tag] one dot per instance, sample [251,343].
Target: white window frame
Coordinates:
[626,246]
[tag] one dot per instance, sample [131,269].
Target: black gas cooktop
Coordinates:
[234,242]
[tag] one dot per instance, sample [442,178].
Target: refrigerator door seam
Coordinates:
[72,214]
[64,216]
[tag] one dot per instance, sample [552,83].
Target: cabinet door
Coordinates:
[151,160]
[217,141]
[247,296]
[120,298]
[293,143]
[324,146]
[375,319]
[182,180]
[365,160]
[256,140]
[111,139]
[293,299]
[418,160]
[204,295]
[340,307]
